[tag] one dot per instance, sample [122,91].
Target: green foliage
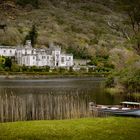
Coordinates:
[35,69]
[78,52]
[62,70]
[16,68]
[1,68]
[130,79]
[102,69]
[102,64]
[83,70]
[109,82]
[71,69]
[32,36]
[2,60]
[8,63]
[90,70]
[34,3]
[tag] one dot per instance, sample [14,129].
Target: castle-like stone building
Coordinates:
[29,56]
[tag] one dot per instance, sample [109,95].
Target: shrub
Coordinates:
[130,79]
[62,70]
[109,82]
[15,68]
[34,3]
[8,63]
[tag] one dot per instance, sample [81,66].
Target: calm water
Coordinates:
[52,98]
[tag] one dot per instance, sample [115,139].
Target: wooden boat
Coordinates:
[125,109]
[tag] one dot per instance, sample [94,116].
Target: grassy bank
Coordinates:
[117,91]
[81,129]
[114,90]
[38,75]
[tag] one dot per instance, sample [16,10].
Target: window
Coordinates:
[62,59]
[69,58]
[10,51]
[33,57]
[43,57]
[4,51]
[57,56]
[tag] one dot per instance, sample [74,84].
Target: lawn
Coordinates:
[112,128]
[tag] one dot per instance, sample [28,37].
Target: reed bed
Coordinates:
[50,106]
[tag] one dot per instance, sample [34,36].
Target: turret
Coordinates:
[28,43]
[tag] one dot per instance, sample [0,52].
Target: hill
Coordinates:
[75,23]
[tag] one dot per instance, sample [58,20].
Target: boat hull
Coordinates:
[133,112]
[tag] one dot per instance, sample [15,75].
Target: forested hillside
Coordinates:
[76,23]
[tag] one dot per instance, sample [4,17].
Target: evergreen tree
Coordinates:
[32,36]
[8,63]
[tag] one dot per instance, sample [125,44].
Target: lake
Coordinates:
[54,98]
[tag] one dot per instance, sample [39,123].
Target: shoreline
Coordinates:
[48,76]
[18,77]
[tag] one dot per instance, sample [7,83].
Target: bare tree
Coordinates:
[131,9]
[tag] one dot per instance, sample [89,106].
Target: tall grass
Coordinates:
[43,106]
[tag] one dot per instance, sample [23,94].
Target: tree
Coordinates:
[2,62]
[8,63]
[132,9]
[32,36]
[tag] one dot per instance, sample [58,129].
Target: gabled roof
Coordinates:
[7,47]
[130,103]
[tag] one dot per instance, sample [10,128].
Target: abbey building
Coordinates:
[28,56]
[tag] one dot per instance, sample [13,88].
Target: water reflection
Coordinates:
[51,99]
